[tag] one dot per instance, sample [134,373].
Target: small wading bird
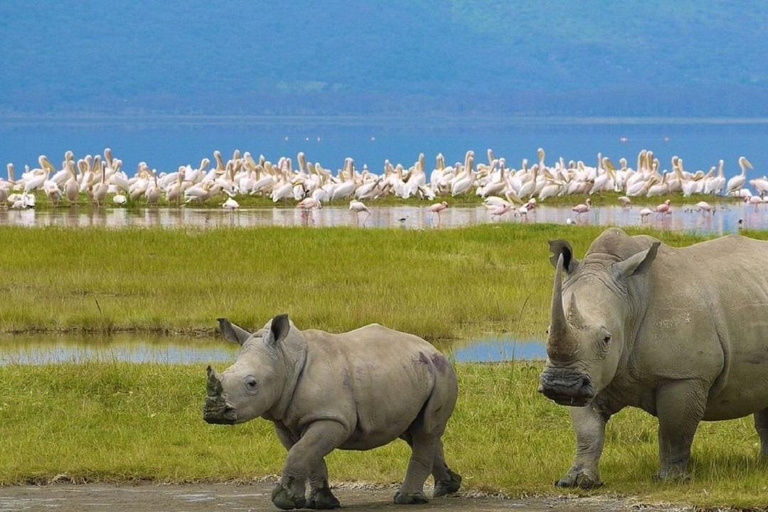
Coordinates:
[437,208]
[705,207]
[358,207]
[502,210]
[582,208]
[664,208]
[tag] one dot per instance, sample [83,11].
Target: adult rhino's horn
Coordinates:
[559,341]
[558,325]
[214,386]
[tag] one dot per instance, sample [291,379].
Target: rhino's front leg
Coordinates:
[320,495]
[304,459]
[680,407]
[589,425]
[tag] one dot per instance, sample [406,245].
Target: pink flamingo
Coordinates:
[582,208]
[625,201]
[500,211]
[755,200]
[705,207]
[664,208]
[309,203]
[437,208]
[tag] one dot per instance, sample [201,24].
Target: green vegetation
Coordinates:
[439,284]
[112,421]
[465,200]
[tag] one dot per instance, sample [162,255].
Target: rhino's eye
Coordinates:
[250,383]
[607,338]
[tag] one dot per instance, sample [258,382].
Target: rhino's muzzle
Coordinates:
[566,386]
[216,409]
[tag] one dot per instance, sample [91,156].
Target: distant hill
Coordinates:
[659,58]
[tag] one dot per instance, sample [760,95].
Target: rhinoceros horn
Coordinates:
[560,343]
[214,386]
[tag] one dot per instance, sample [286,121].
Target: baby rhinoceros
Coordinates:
[355,391]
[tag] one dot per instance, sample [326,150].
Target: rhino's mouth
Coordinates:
[217,411]
[569,401]
[566,387]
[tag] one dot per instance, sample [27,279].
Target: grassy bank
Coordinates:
[438,284]
[120,421]
[464,200]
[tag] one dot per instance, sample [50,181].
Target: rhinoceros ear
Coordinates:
[637,264]
[232,332]
[278,330]
[558,247]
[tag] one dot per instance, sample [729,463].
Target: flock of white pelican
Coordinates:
[503,188]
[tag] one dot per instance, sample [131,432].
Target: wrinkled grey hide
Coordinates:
[354,391]
[680,333]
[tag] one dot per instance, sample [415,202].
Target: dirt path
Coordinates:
[256,497]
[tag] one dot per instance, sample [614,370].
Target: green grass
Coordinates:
[107,421]
[465,200]
[441,284]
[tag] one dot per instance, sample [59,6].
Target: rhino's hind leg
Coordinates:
[446,481]
[320,495]
[761,425]
[420,465]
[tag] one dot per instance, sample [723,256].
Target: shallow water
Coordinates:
[683,218]
[54,348]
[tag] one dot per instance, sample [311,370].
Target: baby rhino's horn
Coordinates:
[214,383]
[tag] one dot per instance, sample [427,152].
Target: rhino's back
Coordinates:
[377,377]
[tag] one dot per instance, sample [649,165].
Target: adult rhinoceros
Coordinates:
[354,391]
[680,333]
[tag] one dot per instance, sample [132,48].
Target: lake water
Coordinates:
[166,142]
[724,221]
[56,348]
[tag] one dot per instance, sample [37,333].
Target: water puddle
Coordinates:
[39,349]
[728,217]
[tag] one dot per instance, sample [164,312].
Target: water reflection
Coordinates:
[55,348]
[684,218]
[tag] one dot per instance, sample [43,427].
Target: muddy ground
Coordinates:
[65,497]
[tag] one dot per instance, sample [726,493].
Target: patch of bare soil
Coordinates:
[256,497]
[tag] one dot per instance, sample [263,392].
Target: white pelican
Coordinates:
[736,182]
[230,204]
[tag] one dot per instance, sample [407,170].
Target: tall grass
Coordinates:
[112,421]
[438,284]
